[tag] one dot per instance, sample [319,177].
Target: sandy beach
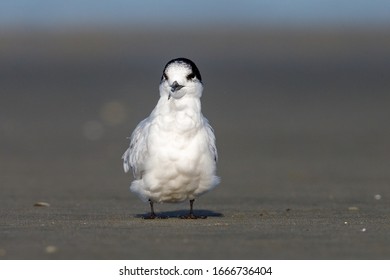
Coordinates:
[302,125]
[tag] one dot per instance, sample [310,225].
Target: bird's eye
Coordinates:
[190,76]
[164,77]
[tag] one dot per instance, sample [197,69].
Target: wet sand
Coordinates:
[302,125]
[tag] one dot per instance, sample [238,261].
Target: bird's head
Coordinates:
[181,77]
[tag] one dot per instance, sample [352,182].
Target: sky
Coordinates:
[55,13]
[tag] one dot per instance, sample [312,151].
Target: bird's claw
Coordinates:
[154,216]
[192,217]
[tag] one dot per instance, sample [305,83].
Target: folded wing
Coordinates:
[135,155]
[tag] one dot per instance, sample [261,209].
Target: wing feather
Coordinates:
[135,155]
[211,140]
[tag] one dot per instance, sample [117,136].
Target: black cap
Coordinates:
[188,62]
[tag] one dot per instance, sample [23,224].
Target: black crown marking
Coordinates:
[195,71]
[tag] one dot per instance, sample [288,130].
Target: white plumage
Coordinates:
[172,153]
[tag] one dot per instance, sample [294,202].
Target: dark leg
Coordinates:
[191,214]
[191,209]
[152,214]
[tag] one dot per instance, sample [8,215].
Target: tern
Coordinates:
[173,153]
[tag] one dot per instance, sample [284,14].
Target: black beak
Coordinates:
[175,86]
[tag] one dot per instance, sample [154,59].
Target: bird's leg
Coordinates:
[152,214]
[191,214]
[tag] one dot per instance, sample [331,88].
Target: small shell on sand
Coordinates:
[41,204]
[51,249]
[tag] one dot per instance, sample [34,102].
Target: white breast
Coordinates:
[180,165]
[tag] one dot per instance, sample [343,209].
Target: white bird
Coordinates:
[172,152]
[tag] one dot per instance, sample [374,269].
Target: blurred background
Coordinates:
[297,92]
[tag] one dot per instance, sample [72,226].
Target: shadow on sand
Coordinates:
[181,213]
